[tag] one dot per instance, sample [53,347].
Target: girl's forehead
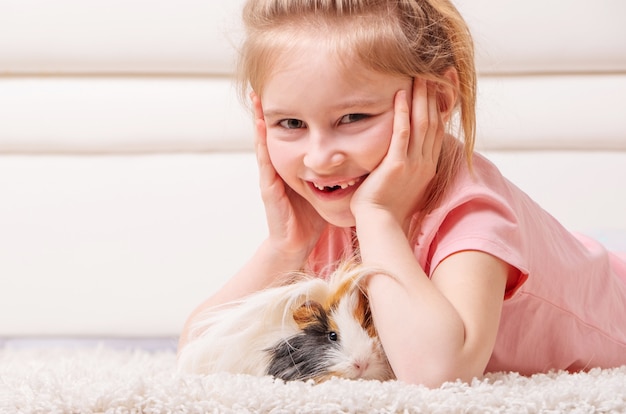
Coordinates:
[292,52]
[311,54]
[285,46]
[318,73]
[310,58]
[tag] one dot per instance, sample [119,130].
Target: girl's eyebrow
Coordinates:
[342,106]
[276,113]
[357,103]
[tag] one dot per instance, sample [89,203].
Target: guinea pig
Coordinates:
[233,337]
[309,328]
[337,339]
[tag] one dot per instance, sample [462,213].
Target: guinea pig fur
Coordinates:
[307,329]
[233,337]
[337,339]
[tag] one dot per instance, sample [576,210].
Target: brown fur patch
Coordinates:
[313,314]
[339,293]
[362,313]
[308,314]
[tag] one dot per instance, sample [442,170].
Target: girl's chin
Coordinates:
[335,212]
[339,220]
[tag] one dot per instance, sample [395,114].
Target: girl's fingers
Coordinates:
[427,126]
[261,145]
[417,128]
[432,145]
[401,134]
[419,101]
[267,175]
[256,105]
[258,115]
[259,124]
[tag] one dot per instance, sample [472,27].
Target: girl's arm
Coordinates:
[433,330]
[293,226]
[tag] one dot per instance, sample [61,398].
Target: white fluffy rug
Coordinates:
[105,380]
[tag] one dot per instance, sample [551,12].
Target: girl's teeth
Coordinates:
[348,184]
[342,185]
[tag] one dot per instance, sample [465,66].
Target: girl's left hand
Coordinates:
[399,183]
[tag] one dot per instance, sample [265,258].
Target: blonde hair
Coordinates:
[412,38]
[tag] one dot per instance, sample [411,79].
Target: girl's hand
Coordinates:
[294,225]
[398,185]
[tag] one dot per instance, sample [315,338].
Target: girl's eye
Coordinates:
[332,336]
[291,123]
[347,119]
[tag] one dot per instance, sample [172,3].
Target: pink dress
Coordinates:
[565,309]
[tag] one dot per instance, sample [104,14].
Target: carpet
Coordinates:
[105,380]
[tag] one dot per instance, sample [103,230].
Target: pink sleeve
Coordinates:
[482,225]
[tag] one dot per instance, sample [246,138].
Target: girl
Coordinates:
[354,102]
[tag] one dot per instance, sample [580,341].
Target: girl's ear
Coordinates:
[447,93]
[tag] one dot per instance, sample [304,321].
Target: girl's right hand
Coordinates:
[294,225]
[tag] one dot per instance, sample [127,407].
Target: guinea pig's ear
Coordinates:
[308,313]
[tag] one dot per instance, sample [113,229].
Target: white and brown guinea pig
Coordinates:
[335,339]
[307,329]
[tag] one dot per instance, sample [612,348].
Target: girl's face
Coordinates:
[329,125]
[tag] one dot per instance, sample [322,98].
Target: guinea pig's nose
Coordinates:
[361,366]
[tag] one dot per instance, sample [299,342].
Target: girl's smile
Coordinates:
[334,187]
[339,189]
[327,127]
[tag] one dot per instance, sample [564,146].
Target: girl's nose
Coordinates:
[323,155]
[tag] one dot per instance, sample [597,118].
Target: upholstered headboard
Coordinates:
[128,185]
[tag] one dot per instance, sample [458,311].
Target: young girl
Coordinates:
[354,102]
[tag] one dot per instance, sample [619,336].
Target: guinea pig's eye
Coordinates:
[333,336]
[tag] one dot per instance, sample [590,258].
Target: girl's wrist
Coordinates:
[379,219]
[382,239]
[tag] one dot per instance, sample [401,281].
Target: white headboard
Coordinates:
[128,188]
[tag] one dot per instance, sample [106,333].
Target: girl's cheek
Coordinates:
[378,143]
[274,151]
[280,155]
